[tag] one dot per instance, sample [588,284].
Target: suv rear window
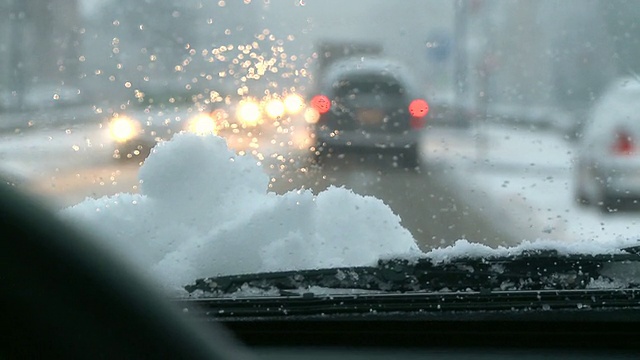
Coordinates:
[368,85]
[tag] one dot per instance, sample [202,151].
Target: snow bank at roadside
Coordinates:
[205,211]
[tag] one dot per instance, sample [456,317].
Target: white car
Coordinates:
[607,168]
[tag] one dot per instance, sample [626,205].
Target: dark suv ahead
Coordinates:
[367,105]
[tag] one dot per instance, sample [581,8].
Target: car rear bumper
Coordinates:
[622,181]
[624,186]
[360,140]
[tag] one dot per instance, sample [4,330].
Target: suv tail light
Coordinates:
[321,103]
[418,108]
[624,144]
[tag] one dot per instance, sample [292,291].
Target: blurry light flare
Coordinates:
[321,103]
[417,123]
[311,115]
[275,108]
[220,116]
[624,144]
[418,108]
[248,112]
[301,140]
[293,103]
[123,128]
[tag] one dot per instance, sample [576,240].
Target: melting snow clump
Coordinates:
[465,249]
[204,211]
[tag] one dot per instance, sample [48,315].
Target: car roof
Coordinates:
[362,65]
[619,103]
[618,107]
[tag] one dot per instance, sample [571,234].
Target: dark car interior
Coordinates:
[62,297]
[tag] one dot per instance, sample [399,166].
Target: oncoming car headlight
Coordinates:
[248,113]
[202,125]
[275,108]
[212,123]
[293,103]
[123,129]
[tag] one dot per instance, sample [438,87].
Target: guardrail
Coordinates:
[47,118]
[533,117]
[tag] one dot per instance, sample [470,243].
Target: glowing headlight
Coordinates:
[248,113]
[123,129]
[293,103]
[202,125]
[275,108]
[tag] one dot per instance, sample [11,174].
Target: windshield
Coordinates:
[212,138]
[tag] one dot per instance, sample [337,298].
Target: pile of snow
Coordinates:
[204,211]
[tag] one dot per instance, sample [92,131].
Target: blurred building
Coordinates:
[539,53]
[39,42]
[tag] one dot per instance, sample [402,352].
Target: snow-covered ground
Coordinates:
[524,178]
[27,155]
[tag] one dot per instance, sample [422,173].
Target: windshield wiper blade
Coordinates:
[419,303]
[530,270]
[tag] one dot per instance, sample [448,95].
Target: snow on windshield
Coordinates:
[204,211]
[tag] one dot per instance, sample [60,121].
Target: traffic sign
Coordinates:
[439,46]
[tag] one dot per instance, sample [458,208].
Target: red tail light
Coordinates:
[418,108]
[624,144]
[321,103]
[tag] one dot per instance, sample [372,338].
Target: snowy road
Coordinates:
[428,205]
[64,164]
[498,188]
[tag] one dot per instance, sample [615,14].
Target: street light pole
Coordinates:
[461,58]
